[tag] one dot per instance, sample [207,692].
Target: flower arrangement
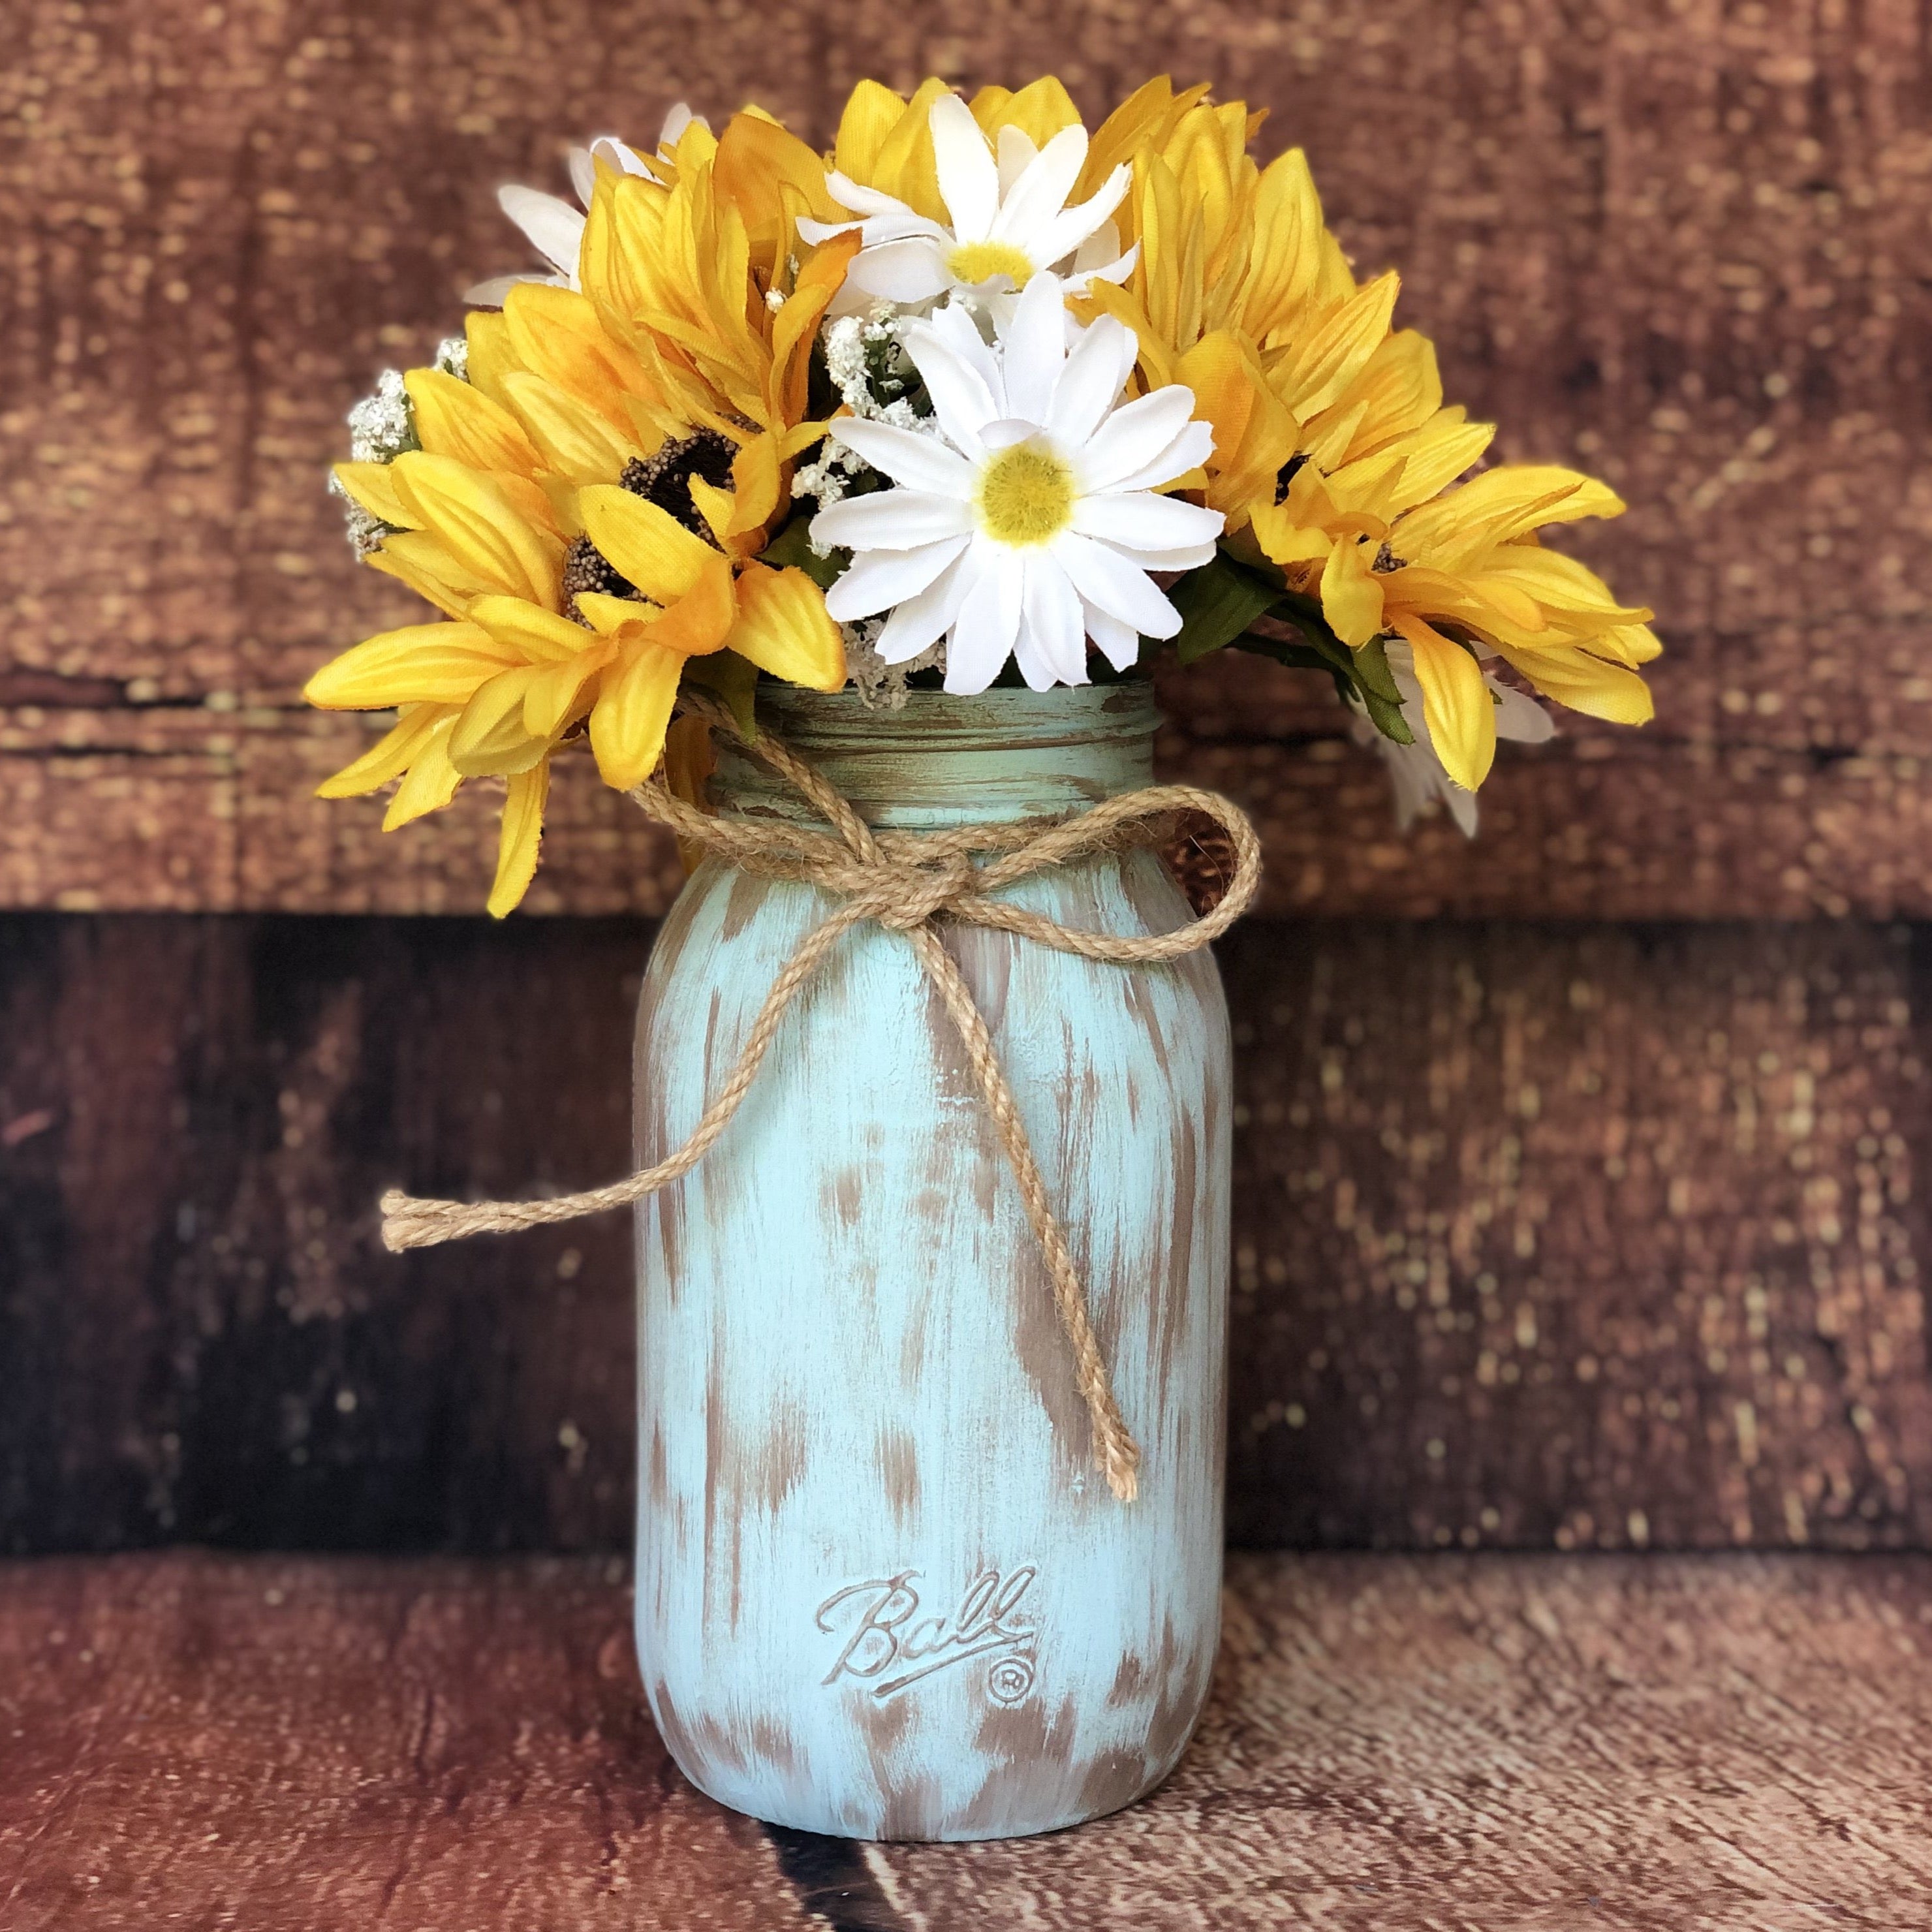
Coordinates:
[979,398]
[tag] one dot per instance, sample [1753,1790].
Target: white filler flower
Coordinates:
[555,229]
[1030,522]
[1010,220]
[1417,773]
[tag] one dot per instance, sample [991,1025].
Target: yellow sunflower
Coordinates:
[579,581]
[1336,461]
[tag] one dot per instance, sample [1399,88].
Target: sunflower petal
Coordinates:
[433,664]
[1456,703]
[490,737]
[1352,597]
[430,784]
[517,846]
[644,542]
[783,627]
[633,710]
[389,756]
[483,527]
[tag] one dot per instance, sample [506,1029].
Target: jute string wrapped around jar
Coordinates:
[904,882]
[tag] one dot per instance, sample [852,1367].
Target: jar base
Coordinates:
[898,1821]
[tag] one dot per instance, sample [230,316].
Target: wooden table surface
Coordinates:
[1483,1742]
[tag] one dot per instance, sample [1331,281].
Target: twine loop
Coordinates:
[904,883]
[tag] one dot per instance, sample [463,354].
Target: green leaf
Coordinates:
[1372,673]
[1385,717]
[1217,603]
[791,549]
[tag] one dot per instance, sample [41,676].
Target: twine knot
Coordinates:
[903,882]
[909,892]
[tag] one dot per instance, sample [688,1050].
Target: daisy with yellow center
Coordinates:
[1030,521]
[1008,218]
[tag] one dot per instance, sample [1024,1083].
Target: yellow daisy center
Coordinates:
[981,261]
[1025,496]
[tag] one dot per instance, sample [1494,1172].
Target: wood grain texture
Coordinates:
[1542,1235]
[1686,244]
[1393,1744]
[294,1747]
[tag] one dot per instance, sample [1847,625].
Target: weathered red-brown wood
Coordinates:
[1543,1235]
[1393,1745]
[1688,246]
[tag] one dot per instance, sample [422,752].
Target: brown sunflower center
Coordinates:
[663,479]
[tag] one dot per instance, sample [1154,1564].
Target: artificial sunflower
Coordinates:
[578,602]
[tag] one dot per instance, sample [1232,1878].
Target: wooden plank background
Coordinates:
[1392,1745]
[1561,1235]
[1683,242]
[1545,1236]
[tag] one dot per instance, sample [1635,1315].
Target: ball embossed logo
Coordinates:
[889,1640]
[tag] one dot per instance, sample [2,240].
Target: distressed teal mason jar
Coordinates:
[882,1590]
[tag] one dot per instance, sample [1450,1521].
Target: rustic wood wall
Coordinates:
[1549,1235]
[1545,1235]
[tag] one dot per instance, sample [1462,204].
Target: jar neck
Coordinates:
[943,760]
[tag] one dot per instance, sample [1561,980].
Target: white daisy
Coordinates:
[1417,773]
[554,228]
[1029,522]
[1009,219]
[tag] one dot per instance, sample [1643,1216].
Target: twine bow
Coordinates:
[904,882]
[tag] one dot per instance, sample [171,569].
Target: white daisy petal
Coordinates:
[960,398]
[969,178]
[955,327]
[1051,621]
[892,520]
[1115,272]
[1120,644]
[490,294]
[1038,674]
[1090,382]
[1015,152]
[816,232]
[1035,344]
[553,226]
[1189,556]
[1040,193]
[625,159]
[879,579]
[912,269]
[1064,233]
[988,622]
[848,193]
[1188,451]
[677,118]
[919,462]
[921,620]
[1104,577]
[582,174]
[1134,435]
[1138,519]
[1520,717]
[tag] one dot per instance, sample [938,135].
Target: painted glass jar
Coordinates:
[882,1590]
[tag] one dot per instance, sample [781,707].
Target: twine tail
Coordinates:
[1114,1448]
[410,1221]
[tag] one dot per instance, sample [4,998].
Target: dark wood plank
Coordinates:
[1581,1237]
[1544,1235]
[1685,245]
[1393,1744]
